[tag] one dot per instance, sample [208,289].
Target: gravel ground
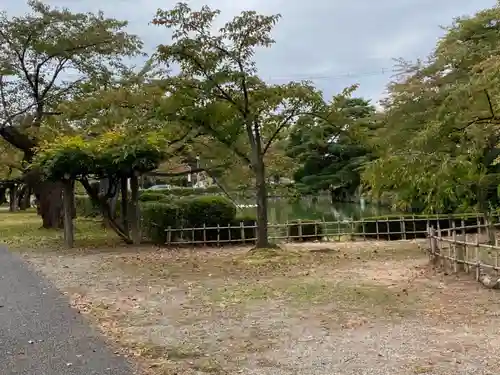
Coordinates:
[373,308]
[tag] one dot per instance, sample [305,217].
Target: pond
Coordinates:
[282,210]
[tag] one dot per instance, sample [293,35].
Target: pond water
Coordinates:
[282,210]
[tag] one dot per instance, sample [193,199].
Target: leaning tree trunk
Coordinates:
[103,191]
[105,209]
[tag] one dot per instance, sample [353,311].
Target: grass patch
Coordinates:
[22,231]
[306,291]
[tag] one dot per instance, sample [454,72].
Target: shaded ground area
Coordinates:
[41,334]
[346,308]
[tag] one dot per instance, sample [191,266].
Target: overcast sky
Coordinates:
[333,42]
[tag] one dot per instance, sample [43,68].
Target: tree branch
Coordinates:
[3,100]
[228,144]
[21,57]
[280,127]
[493,116]
[209,77]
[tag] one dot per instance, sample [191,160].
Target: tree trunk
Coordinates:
[124,204]
[105,211]
[13,198]
[69,204]
[21,198]
[50,204]
[3,199]
[261,188]
[134,210]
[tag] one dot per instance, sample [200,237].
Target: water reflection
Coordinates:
[282,210]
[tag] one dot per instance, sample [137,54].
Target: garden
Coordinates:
[182,280]
[303,308]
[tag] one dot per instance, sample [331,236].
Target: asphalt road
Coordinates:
[40,334]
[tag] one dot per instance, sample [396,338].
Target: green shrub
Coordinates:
[305,230]
[187,191]
[209,212]
[151,196]
[85,207]
[157,217]
[169,200]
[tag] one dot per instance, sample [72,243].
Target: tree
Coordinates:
[116,154]
[45,57]
[439,145]
[125,139]
[331,156]
[219,91]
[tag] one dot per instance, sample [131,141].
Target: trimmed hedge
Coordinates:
[151,196]
[208,212]
[157,217]
[186,191]
[305,230]
[394,227]
[211,218]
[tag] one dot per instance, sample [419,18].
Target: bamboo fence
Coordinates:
[389,228]
[467,248]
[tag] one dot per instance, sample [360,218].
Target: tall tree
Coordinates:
[220,92]
[439,146]
[45,57]
[331,155]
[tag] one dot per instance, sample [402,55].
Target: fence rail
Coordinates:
[458,249]
[390,228]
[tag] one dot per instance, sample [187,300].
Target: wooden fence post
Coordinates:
[478,258]
[434,246]
[403,228]
[458,250]
[242,231]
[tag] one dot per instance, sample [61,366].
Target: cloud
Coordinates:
[335,42]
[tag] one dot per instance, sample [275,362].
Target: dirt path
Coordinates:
[362,308]
[41,334]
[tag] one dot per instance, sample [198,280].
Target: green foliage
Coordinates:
[85,207]
[151,196]
[439,144]
[208,210]
[331,155]
[188,191]
[114,153]
[157,218]
[67,159]
[305,230]
[37,48]
[220,92]
[204,213]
